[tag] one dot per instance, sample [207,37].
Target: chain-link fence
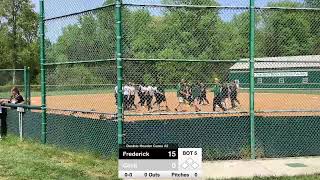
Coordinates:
[184,72]
[19,78]
[80,63]
[287,81]
[68,129]
[10,78]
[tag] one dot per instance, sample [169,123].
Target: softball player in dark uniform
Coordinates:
[132,96]
[188,92]
[234,88]
[196,96]
[160,97]
[203,96]
[225,93]
[142,94]
[149,97]
[180,94]
[126,96]
[217,100]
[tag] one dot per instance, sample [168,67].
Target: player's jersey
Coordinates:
[225,91]
[187,89]
[216,90]
[143,89]
[16,99]
[155,90]
[132,90]
[196,91]
[234,89]
[126,90]
[150,90]
[182,90]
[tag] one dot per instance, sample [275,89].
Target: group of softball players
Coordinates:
[146,94]
[193,94]
[225,91]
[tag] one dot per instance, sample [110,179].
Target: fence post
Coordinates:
[252,89]
[43,75]
[119,69]
[14,76]
[29,85]
[25,83]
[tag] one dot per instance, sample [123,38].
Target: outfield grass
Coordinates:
[29,160]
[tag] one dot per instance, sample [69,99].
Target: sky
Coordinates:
[60,5]
[54,8]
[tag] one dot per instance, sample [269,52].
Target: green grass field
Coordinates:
[30,160]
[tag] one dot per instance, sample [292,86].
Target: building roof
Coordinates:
[280,62]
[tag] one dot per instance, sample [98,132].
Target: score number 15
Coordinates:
[172,154]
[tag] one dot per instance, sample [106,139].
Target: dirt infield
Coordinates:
[106,103]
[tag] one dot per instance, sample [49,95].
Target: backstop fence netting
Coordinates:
[186,74]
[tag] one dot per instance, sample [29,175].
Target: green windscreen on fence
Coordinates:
[223,138]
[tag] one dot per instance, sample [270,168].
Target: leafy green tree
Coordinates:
[312,3]
[4,49]
[315,24]
[73,76]
[286,33]
[18,34]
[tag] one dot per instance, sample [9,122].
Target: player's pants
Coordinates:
[149,101]
[142,97]
[126,102]
[189,99]
[217,101]
[160,98]
[3,124]
[131,101]
[234,99]
[204,98]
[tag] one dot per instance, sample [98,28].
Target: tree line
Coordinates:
[18,36]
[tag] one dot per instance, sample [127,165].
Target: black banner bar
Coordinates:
[148,153]
[149,146]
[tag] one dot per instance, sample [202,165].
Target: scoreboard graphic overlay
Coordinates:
[159,161]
